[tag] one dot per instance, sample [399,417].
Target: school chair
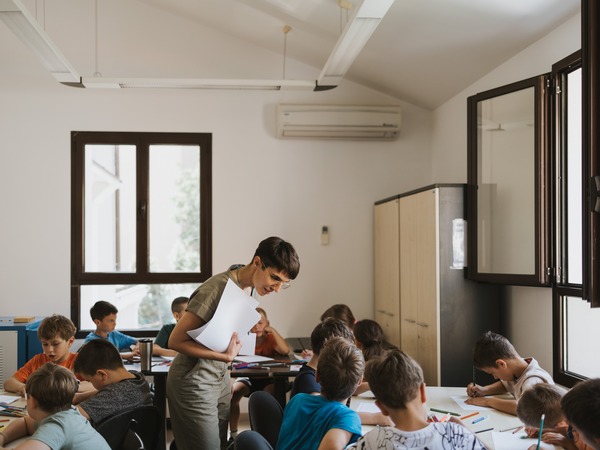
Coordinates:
[251,440]
[265,415]
[132,440]
[149,427]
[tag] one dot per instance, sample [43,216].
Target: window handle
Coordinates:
[142,210]
[595,194]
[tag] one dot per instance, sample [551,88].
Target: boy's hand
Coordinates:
[474,390]
[478,401]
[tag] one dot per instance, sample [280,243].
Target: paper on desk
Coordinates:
[509,441]
[236,313]
[252,358]
[8,399]
[366,394]
[368,407]
[460,401]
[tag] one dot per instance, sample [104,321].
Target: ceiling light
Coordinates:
[354,37]
[196,83]
[14,14]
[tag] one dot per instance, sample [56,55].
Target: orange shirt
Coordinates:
[267,346]
[38,361]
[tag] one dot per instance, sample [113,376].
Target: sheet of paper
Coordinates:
[248,343]
[236,313]
[460,401]
[368,407]
[517,441]
[8,399]
[252,358]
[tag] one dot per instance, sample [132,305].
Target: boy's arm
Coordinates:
[159,351]
[15,430]
[281,345]
[474,390]
[372,418]
[335,439]
[82,396]
[508,406]
[14,385]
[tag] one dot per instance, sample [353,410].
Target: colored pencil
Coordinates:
[444,411]
[483,431]
[469,415]
[539,442]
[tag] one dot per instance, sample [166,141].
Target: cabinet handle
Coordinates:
[390,314]
[410,320]
[421,324]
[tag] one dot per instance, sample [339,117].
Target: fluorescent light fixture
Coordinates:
[195,83]
[16,17]
[354,37]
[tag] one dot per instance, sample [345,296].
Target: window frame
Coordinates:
[142,274]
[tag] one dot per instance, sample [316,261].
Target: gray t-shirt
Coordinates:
[118,397]
[69,430]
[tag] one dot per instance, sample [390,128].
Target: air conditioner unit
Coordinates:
[338,121]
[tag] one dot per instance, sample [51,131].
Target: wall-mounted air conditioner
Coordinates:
[338,121]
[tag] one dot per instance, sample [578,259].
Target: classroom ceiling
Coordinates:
[423,52]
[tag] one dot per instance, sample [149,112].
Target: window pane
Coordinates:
[174,208]
[581,337]
[574,181]
[109,223]
[141,306]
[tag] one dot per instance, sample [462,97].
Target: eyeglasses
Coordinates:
[276,280]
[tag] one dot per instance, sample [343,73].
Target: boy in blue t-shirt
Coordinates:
[310,421]
[104,315]
[51,420]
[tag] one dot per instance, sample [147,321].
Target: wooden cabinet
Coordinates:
[423,302]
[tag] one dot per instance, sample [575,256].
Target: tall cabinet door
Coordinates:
[387,275]
[419,281]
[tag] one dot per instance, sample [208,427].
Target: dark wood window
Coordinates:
[141,223]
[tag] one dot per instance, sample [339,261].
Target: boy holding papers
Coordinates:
[198,386]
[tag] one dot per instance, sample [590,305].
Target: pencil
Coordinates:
[518,429]
[444,411]
[483,431]
[469,415]
[539,442]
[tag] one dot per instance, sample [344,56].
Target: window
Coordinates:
[141,223]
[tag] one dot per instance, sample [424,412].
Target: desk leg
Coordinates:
[160,401]
[280,389]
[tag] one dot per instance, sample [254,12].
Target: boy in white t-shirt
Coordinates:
[397,382]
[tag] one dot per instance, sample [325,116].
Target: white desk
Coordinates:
[21,403]
[441,398]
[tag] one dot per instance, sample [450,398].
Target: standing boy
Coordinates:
[118,389]
[324,421]
[57,334]
[397,382]
[104,315]
[52,423]
[161,343]
[495,355]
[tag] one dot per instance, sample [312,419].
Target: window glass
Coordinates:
[581,337]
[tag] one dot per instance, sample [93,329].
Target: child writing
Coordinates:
[52,423]
[161,343]
[545,399]
[104,315]
[495,355]
[399,388]
[118,389]
[57,334]
[581,407]
[311,422]
[268,343]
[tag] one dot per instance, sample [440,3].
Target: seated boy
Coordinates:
[161,343]
[581,407]
[52,423]
[324,421]
[495,355]
[104,315]
[399,388]
[545,399]
[57,334]
[305,382]
[268,343]
[100,363]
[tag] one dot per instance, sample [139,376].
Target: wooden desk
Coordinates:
[441,398]
[20,403]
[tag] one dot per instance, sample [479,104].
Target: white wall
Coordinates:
[529,310]
[262,186]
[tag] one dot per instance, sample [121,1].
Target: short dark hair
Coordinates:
[56,325]
[340,368]
[279,254]
[581,407]
[179,304]
[369,335]
[342,312]
[97,354]
[101,309]
[328,329]
[540,399]
[53,387]
[491,347]
[394,378]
